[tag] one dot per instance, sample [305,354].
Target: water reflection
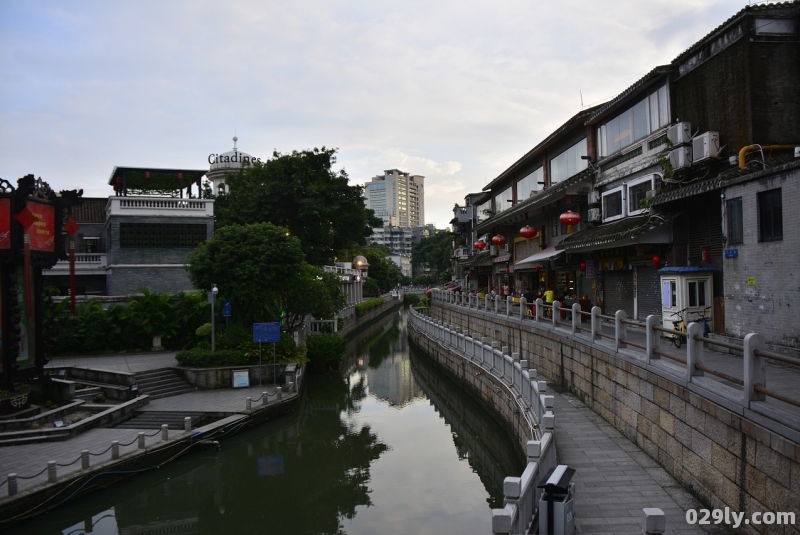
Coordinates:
[386,446]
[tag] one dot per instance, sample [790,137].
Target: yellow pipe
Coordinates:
[749,148]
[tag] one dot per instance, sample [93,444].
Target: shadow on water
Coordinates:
[354,456]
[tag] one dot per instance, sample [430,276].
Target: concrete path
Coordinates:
[614,480]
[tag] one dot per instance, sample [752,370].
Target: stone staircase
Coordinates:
[161,383]
[155,419]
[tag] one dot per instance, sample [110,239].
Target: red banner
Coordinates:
[5,223]
[43,229]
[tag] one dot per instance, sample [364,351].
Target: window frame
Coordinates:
[775,221]
[621,190]
[648,178]
[735,225]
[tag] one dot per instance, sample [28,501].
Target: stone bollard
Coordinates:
[653,521]
[12,485]
[264,398]
[115,449]
[52,473]
[164,432]
[187,424]
[84,459]
[141,440]
[278,395]
[248,405]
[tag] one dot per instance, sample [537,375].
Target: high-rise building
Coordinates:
[398,198]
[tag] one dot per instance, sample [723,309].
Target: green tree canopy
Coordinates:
[301,192]
[260,268]
[382,270]
[435,252]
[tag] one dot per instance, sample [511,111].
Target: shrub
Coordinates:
[325,350]
[199,357]
[363,307]
[411,299]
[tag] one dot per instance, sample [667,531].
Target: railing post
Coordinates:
[84,459]
[12,484]
[248,404]
[694,350]
[52,472]
[620,329]
[523,307]
[576,317]
[141,440]
[539,306]
[264,398]
[651,337]
[164,432]
[115,449]
[187,424]
[596,323]
[755,372]
[556,311]
[509,305]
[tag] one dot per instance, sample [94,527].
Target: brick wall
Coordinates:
[724,458]
[128,280]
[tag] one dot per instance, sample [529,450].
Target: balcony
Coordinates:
[85,264]
[159,206]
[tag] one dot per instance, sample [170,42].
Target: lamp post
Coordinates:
[214,292]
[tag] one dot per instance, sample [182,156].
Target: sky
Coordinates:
[454,91]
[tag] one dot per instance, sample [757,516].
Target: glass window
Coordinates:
[530,183]
[669,293]
[613,204]
[501,201]
[568,163]
[733,212]
[635,123]
[697,293]
[637,193]
[770,215]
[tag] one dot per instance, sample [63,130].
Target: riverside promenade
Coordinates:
[38,491]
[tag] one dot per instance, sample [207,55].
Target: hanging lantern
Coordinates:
[583,266]
[506,268]
[479,245]
[705,254]
[528,232]
[656,260]
[180,176]
[119,180]
[570,218]
[147,174]
[538,269]
[499,240]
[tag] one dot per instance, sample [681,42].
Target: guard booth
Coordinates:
[687,289]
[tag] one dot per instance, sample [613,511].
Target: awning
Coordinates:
[629,231]
[501,258]
[537,258]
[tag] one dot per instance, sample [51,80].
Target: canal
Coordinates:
[389,445]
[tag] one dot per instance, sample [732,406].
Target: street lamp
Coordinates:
[214,292]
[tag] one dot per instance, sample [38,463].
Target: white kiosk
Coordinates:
[686,290]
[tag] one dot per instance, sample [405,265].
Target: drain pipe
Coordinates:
[749,148]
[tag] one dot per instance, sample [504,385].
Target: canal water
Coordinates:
[389,445]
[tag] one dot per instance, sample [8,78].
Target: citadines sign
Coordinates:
[5,223]
[234,157]
[43,229]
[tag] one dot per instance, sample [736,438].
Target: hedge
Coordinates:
[365,306]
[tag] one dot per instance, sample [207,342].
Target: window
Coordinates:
[501,201]
[529,184]
[634,124]
[733,211]
[91,245]
[613,204]
[637,193]
[770,215]
[161,235]
[697,293]
[568,163]
[669,293]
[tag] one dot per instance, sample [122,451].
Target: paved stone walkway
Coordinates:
[614,480]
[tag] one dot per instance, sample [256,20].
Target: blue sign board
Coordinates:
[731,253]
[226,308]
[267,332]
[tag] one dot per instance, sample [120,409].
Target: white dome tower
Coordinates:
[221,165]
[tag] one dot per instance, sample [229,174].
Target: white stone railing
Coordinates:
[159,206]
[535,406]
[83,262]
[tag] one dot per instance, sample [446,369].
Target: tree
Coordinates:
[434,251]
[382,270]
[260,268]
[301,192]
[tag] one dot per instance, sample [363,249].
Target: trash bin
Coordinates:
[556,504]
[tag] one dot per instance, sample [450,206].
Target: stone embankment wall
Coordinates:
[706,442]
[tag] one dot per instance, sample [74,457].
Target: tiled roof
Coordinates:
[611,232]
[656,73]
[479,258]
[91,210]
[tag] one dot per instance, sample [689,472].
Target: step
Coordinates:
[154,420]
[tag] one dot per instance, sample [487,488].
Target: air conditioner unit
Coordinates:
[680,133]
[492,250]
[594,215]
[681,157]
[594,197]
[506,248]
[705,146]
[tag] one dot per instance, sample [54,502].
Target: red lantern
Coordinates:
[119,180]
[570,218]
[528,232]
[583,266]
[656,260]
[180,176]
[499,240]
[538,269]
[479,245]
[147,174]
[705,254]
